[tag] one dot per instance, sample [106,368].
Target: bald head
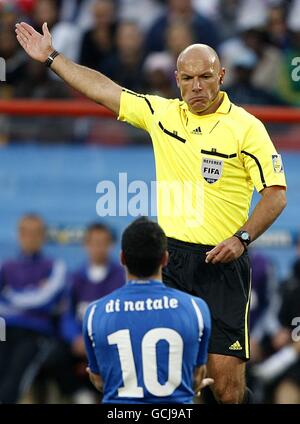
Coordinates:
[199,52]
[199,76]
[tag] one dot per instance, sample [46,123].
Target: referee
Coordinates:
[212,154]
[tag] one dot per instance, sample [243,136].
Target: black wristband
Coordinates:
[242,242]
[51,58]
[243,236]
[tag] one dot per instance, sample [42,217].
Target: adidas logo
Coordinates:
[197,131]
[236,346]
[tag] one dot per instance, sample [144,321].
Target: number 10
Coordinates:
[149,362]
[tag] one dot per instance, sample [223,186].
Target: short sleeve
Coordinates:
[138,109]
[205,331]
[262,162]
[89,338]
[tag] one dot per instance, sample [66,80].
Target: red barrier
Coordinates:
[88,108]
[53,108]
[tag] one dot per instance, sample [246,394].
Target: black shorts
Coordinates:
[224,287]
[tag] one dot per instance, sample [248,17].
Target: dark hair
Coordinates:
[143,245]
[98,226]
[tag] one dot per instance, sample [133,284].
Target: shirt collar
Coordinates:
[224,107]
[143,282]
[30,258]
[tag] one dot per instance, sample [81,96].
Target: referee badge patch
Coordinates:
[211,170]
[277,163]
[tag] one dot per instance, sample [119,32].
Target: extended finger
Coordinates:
[45,29]
[22,41]
[28,28]
[230,255]
[23,31]
[212,253]
[21,36]
[220,257]
[227,256]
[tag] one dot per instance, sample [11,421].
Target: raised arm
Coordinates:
[92,84]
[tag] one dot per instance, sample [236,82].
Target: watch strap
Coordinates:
[51,58]
[238,234]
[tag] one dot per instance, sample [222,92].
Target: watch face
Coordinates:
[245,236]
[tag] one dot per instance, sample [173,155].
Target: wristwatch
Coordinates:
[244,237]
[51,57]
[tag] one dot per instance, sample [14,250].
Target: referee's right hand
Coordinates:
[37,46]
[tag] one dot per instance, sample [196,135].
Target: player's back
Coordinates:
[145,341]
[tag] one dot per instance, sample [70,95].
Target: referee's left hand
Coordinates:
[226,251]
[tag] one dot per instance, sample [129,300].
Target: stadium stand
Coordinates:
[58,152]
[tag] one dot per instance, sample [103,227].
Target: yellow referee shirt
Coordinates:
[206,166]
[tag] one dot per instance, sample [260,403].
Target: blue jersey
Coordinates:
[145,340]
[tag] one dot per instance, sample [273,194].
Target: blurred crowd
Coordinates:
[43,305]
[136,42]
[43,358]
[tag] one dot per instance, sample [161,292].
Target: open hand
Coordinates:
[226,251]
[37,46]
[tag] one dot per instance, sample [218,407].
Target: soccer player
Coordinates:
[147,343]
[213,154]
